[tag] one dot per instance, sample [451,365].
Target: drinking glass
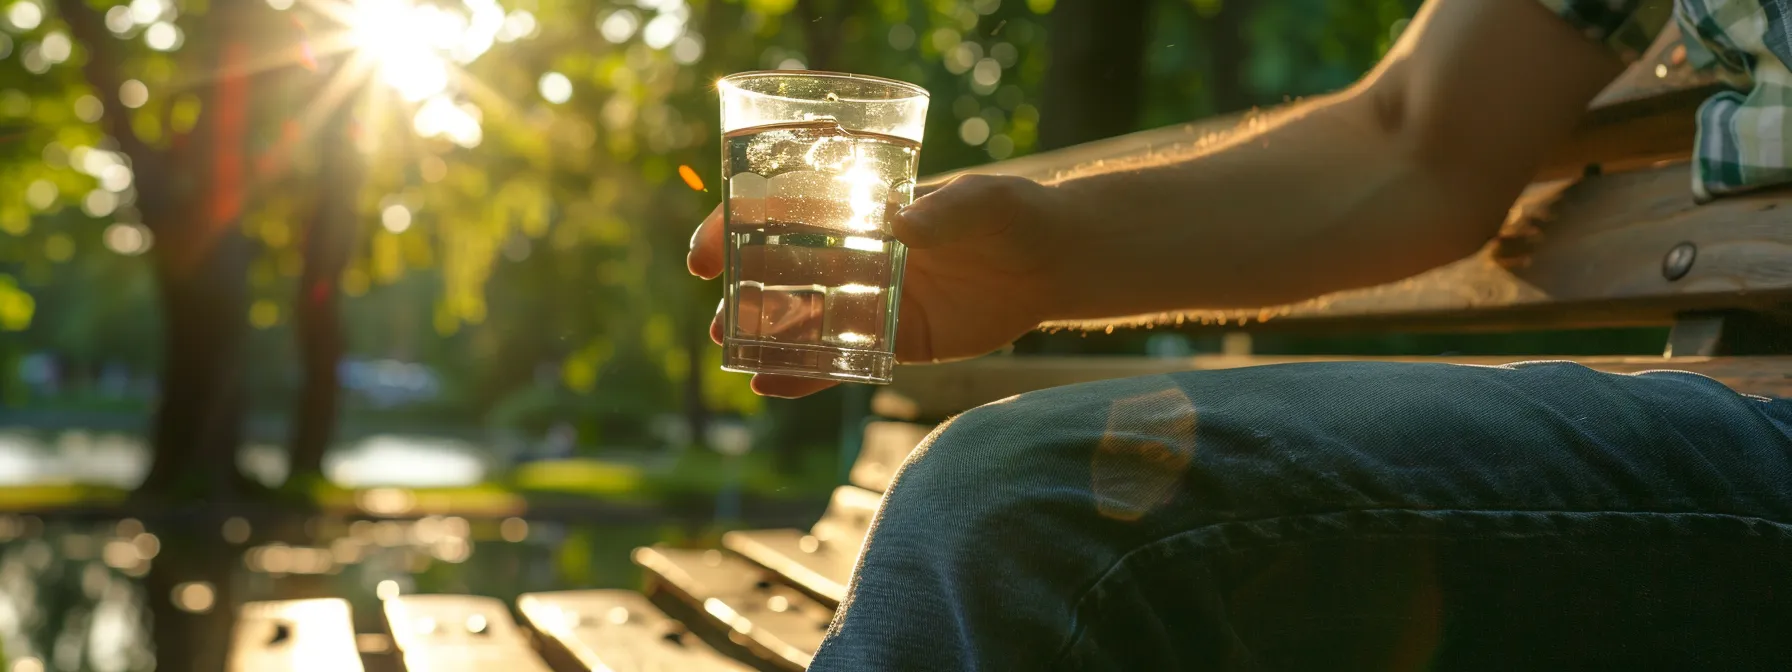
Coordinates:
[814,163]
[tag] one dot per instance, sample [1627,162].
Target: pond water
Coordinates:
[107,595]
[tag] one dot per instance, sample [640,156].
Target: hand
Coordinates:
[983,257]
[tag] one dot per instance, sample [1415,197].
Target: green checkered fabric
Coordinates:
[1743,139]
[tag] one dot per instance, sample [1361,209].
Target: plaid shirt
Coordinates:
[1743,139]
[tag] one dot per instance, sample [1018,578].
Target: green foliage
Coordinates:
[538,266]
[16,306]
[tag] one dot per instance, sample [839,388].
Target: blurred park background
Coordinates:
[360,296]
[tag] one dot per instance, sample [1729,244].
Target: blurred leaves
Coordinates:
[545,248]
[16,307]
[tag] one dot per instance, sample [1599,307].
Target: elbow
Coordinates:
[1456,196]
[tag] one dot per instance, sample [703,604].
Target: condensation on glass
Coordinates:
[814,164]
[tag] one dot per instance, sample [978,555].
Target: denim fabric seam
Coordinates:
[1079,624]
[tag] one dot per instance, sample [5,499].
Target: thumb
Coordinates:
[969,206]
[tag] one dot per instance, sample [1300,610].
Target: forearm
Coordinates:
[1411,169]
[1319,199]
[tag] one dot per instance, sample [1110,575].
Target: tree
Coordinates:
[1097,52]
[190,193]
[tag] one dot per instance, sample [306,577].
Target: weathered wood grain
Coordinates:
[618,631]
[779,623]
[452,633]
[294,636]
[936,392]
[819,560]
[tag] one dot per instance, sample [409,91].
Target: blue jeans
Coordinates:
[1341,516]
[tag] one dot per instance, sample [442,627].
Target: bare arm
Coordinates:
[1412,168]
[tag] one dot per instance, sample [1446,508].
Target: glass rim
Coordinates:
[914,90]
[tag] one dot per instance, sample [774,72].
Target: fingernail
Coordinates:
[914,216]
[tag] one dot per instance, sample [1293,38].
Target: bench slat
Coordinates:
[777,622]
[1643,116]
[451,633]
[935,392]
[294,636]
[618,631]
[819,560]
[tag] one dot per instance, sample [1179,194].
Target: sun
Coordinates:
[400,39]
[417,50]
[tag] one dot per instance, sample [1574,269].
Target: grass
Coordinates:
[479,500]
[582,476]
[696,472]
[58,495]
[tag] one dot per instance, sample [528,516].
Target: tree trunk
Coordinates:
[329,241]
[696,409]
[193,560]
[190,196]
[823,21]
[198,424]
[1092,90]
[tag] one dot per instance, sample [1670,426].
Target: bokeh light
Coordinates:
[57,47]
[133,94]
[555,87]
[127,239]
[24,14]
[89,108]
[162,36]
[194,597]
[619,25]
[396,218]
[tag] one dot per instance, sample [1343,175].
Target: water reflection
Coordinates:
[121,460]
[109,595]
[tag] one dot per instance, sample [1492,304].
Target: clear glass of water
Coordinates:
[815,163]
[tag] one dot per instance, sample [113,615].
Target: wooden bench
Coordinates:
[1608,236]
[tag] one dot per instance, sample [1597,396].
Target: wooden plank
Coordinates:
[779,623]
[821,559]
[1645,115]
[455,633]
[294,636]
[886,447]
[1570,255]
[617,631]
[935,392]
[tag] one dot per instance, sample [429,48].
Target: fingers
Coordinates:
[968,206]
[715,326]
[788,387]
[705,259]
